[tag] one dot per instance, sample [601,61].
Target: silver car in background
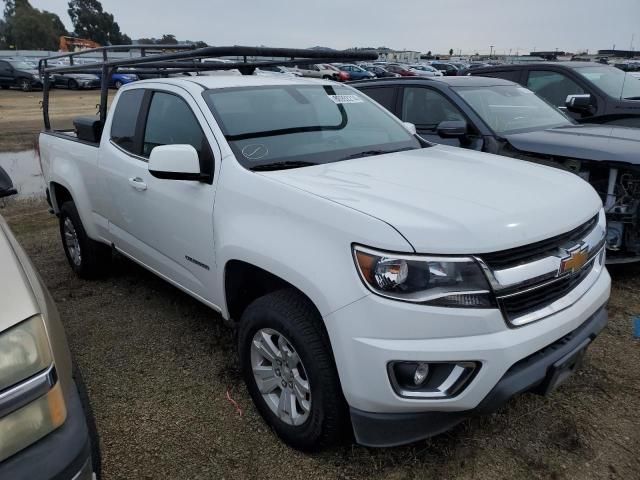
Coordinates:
[47,430]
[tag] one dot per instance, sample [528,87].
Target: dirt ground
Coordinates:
[21,114]
[161,370]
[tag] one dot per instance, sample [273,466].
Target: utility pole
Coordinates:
[490,51]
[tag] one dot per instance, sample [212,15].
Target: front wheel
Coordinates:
[25,85]
[86,257]
[73,85]
[289,371]
[118,84]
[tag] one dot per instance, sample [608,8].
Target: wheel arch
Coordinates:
[244,282]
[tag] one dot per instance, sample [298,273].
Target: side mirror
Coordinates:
[6,185]
[578,103]
[410,127]
[175,162]
[452,129]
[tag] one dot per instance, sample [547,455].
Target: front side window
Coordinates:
[309,124]
[125,119]
[554,87]
[510,108]
[426,108]
[170,121]
[612,81]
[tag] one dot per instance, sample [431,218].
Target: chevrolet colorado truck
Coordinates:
[379,284]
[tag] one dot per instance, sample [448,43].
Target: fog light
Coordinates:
[421,373]
[431,379]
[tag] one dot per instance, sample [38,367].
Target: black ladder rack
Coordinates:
[165,60]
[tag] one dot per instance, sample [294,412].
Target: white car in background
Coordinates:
[312,70]
[275,71]
[425,70]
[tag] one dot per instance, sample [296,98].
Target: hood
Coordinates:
[451,200]
[586,142]
[16,296]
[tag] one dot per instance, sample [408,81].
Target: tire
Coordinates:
[287,315]
[327,77]
[24,84]
[72,85]
[4,87]
[88,258]
[118,84]
[94,436]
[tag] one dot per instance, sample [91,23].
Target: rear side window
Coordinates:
[384,96]
[125,119]
[170,121]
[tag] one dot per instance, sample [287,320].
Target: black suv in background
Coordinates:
[498,116]
[588,92]
[16,73]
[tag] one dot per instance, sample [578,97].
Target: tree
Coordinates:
[167,40]
[26,27]
[451,52]
[92,22]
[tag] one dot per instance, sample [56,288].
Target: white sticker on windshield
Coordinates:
[338,99]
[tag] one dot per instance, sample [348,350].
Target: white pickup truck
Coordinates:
[379,284]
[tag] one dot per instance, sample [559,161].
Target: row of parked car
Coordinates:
[23,74]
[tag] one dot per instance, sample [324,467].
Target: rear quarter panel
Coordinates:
[73,165]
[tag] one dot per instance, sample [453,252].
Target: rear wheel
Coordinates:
[73,85]
[289,370]
[25,84]
[118,84]
[88,258]
[4,87]
[327,77]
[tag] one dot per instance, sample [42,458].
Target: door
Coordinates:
[426,108]
[554,87]
[164,224]
[6,73]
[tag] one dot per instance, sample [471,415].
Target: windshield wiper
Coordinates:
[265,167]
[369,153]
[632,98]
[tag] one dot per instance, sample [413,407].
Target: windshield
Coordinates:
[612,81]
[511,108]
[312,124]
[21,65]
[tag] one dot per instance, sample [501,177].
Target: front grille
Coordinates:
[527,301]
[534,251]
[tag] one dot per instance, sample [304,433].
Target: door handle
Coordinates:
[137,183]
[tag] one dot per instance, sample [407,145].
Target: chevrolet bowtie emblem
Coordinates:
[575,260]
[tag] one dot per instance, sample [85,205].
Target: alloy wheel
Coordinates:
[71,242]
[280,376]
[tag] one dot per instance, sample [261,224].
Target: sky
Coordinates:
[423,25]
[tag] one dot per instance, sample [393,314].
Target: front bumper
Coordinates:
[528,375]
[369,333]
[64,454]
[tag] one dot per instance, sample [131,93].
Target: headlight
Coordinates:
[35,76]
[24,351]
[25,362]
[439,281]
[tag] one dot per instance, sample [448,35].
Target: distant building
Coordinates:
[618,53]
[403,56]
